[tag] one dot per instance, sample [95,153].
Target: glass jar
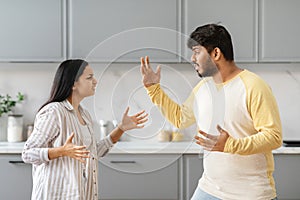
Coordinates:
[15,128]
[29,130]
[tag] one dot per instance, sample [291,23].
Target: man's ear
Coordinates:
[216,54]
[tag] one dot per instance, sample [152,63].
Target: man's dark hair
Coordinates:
[211,36]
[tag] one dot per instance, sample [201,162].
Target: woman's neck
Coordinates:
[74,102]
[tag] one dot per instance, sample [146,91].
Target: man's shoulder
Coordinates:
[252,79]
[253,82]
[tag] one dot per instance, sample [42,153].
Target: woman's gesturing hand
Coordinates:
[73,151]
[134,121]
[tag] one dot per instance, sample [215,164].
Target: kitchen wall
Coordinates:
[120,85]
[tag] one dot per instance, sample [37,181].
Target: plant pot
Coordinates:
[15,128]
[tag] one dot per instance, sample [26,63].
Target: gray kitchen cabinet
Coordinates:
[32,30]
[118,30]
[139,177]
[15,176]
[239,17]
[286,176]
[279,34]
[192,172]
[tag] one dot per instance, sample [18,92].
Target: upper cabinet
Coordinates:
[119,30]
[125,30]
[239,17]
[279,39]
[32,30]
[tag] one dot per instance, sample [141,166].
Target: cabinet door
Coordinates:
[16,178]
[193,170]
[287,176]
[239,17]
[280,30]
[118,30]
[139,177]
[32,30]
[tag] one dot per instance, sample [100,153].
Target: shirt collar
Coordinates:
[69,107]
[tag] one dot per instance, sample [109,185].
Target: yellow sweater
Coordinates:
[246,108]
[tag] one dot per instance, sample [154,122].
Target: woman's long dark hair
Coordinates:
[67,73]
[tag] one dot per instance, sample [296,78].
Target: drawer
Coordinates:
[139,177]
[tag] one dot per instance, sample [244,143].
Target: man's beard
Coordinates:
[209,69]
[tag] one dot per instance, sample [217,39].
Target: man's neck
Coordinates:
[227,71]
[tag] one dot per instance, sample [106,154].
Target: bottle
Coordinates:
[15,128]
[29,130]
[103,128]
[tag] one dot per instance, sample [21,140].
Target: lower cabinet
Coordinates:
[287,176]
[139,177]
[193,170]
[145,176]
[15,178]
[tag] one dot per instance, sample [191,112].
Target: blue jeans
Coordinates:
[201,195]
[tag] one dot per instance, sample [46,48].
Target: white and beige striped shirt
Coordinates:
[64,177]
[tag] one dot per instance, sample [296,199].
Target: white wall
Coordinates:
[120,85]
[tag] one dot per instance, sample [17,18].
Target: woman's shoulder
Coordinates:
[54,108]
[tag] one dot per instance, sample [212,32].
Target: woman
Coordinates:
[62,148]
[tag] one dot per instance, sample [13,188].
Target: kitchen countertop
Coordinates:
[145,148]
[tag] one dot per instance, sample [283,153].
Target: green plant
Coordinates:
[7,103]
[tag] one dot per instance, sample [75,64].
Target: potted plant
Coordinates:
[7,103]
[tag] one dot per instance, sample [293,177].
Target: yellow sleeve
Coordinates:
[180,116]
[263,110]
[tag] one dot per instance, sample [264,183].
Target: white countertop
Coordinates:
[145,148]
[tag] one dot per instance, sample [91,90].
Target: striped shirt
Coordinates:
[63,178]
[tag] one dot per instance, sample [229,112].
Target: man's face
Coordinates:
[202,61]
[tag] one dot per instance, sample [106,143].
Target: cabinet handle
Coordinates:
[121,161]
[16,162]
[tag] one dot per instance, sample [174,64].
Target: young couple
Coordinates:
[235,112]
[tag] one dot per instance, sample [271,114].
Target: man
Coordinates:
[236,114]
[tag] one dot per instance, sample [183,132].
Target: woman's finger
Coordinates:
[139,113]
[142,121]
[70,138]
[142,117]
[79,147]
[126,111]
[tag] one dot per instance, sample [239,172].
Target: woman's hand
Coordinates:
[70,150]
[134,121]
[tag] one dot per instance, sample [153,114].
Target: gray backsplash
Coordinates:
[119,86]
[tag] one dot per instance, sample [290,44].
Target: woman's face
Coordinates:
[86,84]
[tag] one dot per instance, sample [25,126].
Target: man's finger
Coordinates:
[209,136]
[147,62]
[220,129]
[158,69]
[143,67]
